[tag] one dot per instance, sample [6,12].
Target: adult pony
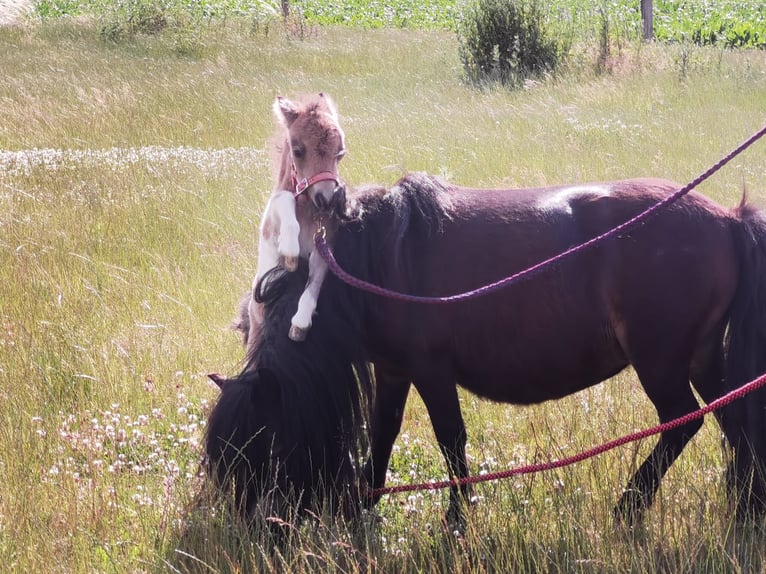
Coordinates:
[681,298]
[309,146]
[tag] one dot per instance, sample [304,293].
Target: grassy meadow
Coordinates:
[132,180]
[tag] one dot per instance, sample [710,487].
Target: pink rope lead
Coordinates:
[532,468]
[324,249]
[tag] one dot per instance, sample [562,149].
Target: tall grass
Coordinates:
[131,183]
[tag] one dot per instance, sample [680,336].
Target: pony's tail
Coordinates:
[744,421]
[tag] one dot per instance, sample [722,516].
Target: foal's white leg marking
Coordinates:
[268,257]
[288,236]
[279,233]
[307,304]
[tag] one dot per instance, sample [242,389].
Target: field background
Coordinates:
[132,177]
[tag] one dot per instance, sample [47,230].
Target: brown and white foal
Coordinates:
[308,190]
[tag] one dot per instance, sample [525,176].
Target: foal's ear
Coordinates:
[331,109]
[285,111]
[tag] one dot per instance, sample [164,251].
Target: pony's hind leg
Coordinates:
[708,377]
[707,368]
[439,394]
[672,397]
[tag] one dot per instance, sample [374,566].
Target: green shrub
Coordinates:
[126,19]
[185,20]
[507,41]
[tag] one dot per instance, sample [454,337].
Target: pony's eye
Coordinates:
[298,152]
[341,154]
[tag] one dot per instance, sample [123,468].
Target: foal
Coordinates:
[309,144]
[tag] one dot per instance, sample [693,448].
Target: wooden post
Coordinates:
[647,19]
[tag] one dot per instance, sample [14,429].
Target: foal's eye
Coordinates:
[298,152]
[341,154]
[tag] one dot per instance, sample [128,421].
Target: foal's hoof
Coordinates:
[291,263]
[297,333]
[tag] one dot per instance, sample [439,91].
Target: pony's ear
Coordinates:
[285,111]
[267,389]
[218,379]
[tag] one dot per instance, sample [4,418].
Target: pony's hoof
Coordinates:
[455,523]
[630,510]
[297,333]
[291,263]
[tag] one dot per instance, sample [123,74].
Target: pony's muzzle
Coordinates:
[338,200]
[335,200]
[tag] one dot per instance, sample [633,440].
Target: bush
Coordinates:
[126,19]
[507,41]
[121,20]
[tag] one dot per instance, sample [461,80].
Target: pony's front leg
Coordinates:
[288,237]
[307,304]
[385,423]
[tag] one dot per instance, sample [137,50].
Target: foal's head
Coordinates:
[312,146]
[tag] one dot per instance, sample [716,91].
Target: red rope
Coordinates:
[532,468]
[326,253]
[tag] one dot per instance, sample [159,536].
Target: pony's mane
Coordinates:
[323,383]
[417,200]
[391,221]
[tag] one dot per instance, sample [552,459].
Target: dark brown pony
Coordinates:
[681,298]
[284,433]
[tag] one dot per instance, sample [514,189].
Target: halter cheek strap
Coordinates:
[299,186]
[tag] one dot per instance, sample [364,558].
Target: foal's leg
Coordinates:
[268,258]
[387,413]
[288,238]
[279,236]
[307,304]
[668,388]
[441,400]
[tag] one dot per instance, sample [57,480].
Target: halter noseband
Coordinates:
[300,186]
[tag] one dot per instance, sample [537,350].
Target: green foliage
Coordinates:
[377,14]
[726,24]
[507,41]
[731,24]
[56,8]
[126,19]
[185,19]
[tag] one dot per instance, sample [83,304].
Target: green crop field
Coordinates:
[730,23]
[133,173]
